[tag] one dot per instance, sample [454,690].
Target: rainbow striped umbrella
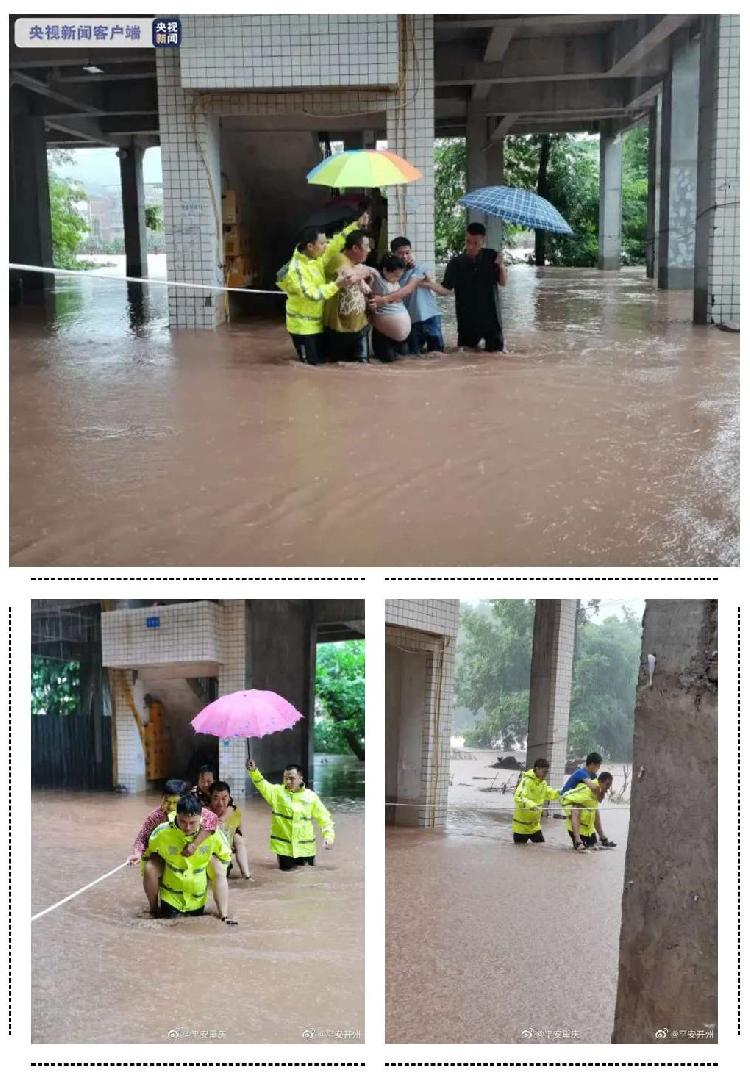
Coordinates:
[363,169]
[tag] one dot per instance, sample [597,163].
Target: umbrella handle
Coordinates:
[249,748]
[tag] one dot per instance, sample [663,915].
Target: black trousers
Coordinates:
[310,347]
[288,862]
[470,336]
[386,349]
[168,912]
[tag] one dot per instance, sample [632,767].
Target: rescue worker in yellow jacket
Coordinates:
[183,889]
[305,280]
[531,794]
[581,809]
[293,809]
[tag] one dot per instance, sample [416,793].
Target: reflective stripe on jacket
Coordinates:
[304,282]
[292,814]
[183,884]
[529,799]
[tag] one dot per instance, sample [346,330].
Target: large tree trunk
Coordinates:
[542,188]
[354,744]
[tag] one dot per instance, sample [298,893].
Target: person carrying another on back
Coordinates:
[293,808]
[308,283]
[581,808]
[346,310]
[531,794]
[474,276]
[171,793]
[583,772]
[184,884]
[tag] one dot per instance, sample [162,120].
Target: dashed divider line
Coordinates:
[10,831]
[516,577]
[181,578]
[739,822]
[555,1064]
[198,1064]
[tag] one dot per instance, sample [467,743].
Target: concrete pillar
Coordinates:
[668,938]
[550,684]
[476,158]
[494,175]
[232,752]
[679,153]
[410,123]
[191,171]
[610,199]
[717,248]
[30,218]
[654,179]
[133,209]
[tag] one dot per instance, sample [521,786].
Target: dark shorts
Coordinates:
[587,841]
[354,347]
[535,837]
[310,347]
[168,912]
[287,862]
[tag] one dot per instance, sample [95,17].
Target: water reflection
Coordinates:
[339,779]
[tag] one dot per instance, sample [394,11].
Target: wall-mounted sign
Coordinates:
[153,622]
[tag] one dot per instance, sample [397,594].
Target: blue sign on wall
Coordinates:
[152,622]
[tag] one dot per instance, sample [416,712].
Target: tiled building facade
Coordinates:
[313,66]
[418,725]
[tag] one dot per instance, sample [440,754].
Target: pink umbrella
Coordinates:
[246,714]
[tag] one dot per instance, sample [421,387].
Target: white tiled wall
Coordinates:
[232,752]
[238,52]
[188,632]
[410,132]
[430,626]
[191,173]
[724,242]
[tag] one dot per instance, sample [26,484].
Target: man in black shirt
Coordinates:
[474,277]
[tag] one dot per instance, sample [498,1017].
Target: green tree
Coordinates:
[450,185]
[340,695]
[55,686]
[492,677]
[605,674]
[69,227]
[494,652]
[154,218]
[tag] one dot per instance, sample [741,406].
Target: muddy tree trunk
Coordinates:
[354,744]
[542,188]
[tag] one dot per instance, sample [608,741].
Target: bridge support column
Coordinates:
[550,684]
[653,197]
[610,199]
[679,173]
[30,216]
[133,210]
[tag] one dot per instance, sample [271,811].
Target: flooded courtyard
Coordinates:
[291,972]
[607,437]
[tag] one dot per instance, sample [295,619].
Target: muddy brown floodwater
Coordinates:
[102,971]
[608,436]
[489,942]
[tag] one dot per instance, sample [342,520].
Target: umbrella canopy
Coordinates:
[248,714]
[342,208]
[363,169]
[518,206]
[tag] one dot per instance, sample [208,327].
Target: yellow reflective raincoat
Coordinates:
[304,280]
[586,800]
[292,814]
[184,883]
[529,799]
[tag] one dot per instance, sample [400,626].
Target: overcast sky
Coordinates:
[99,168]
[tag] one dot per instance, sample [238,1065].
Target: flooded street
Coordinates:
[608,436]
[294,965]
[502,975]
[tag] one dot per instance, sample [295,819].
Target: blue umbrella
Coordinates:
[517,206]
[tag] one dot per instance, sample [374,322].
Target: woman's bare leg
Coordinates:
[241,852]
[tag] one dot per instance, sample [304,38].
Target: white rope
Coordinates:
[78,892]
[142,281]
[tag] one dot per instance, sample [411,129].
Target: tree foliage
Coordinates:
[340,696]
[492,677]
[55,686]
[571,182]
[69,226]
